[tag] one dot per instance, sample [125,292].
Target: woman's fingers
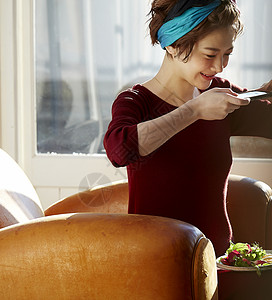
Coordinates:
[217,103]
[266,87]
[238,101]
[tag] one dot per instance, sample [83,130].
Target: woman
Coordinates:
[172,132]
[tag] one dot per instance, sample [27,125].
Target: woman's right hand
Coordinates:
[216,104]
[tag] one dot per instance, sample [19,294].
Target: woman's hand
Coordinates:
[266,87]
[217,103]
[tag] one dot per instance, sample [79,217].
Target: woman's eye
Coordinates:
[209,56]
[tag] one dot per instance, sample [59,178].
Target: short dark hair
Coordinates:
[226,14]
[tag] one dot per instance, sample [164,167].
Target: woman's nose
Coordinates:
[218,65]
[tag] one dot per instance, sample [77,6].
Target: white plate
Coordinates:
[232,268]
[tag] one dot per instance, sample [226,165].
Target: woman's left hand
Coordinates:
[267,87]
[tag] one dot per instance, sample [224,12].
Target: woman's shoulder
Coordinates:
[137,95]
[134,100]
[137,91]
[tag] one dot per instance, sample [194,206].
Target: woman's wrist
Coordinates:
[192,108]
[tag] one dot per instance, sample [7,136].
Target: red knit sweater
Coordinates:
[186,177]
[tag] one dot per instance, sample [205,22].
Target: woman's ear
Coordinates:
[171,50]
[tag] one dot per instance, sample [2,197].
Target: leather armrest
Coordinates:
[106,256]
[247,204]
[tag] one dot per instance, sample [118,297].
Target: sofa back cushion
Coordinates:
[107,198]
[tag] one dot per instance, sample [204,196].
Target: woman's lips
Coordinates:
[207,77]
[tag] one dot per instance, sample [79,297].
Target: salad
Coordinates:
[246,255]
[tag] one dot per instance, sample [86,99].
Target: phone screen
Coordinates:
[254,95]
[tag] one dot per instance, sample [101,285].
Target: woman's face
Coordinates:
[209,57]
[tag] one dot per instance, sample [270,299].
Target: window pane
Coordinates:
[86,51]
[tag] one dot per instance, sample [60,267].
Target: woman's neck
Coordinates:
[170,87]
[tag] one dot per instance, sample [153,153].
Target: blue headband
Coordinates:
[176,28]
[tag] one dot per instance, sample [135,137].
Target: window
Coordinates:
[86,51]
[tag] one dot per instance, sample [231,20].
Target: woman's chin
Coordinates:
[204,85]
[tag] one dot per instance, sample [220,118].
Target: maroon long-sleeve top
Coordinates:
[185,178]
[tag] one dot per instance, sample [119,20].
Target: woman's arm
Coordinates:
[214,104]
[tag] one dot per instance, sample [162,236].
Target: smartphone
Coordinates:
[254,95]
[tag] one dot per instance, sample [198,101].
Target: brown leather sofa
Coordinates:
[87,247]
[96,256]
